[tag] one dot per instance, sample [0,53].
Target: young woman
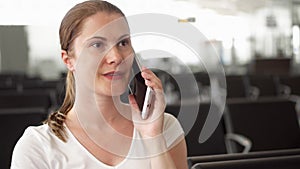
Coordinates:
[93,128]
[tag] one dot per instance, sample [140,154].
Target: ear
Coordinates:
[68,60]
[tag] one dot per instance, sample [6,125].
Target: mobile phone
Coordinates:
[142,93]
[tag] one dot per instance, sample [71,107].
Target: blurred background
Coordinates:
[242,31]
[256,41]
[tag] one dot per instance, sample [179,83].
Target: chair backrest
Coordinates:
[282,162]
[270,123]
[32,98]
[268,85]
[39,84]
[293,82]
[238,156]
[13,122]
[271,66]
[214,145]
[203,78]
[237,86]
[7,86]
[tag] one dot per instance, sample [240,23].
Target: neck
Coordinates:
[111,119]
[111,108]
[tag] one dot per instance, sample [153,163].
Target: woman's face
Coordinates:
[103,54]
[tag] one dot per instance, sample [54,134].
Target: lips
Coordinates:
[114,75]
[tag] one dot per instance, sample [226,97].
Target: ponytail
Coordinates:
[56,119]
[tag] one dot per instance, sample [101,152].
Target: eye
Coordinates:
[124,42]
[97,44]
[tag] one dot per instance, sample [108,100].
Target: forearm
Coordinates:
[162,161]
[158,153]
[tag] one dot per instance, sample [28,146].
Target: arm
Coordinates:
[175,158]
[179,154]
[151,129]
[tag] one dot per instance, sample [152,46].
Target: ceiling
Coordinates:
[235,6]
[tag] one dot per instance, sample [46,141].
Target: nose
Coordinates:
[114,56]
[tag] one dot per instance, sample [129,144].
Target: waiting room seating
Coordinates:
[281,162]
[21,83]
[270,123]
[237,86]
[214,145]
[267,85]
[239,156]
[13,122]
[293,82]
[33,98]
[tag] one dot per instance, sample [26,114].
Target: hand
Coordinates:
[153,125]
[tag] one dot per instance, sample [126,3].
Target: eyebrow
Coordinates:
[97,37]
[104,39]
[123,36]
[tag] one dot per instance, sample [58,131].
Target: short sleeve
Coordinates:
[172,130]
[28,153]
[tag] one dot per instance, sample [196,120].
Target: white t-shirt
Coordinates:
[39,148]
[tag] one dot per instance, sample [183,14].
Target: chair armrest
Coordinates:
[284,90]
[253,92]
[240,139]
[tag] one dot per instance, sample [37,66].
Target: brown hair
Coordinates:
[70,28]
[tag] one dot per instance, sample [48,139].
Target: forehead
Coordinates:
[105,24]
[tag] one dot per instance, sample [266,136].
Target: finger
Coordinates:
[147,74]
[151,79]
[136,113]
[150,76]
[153,84]
[133,103]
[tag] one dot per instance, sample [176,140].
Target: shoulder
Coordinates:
[170,121]
[169,118]
[36,134]
[32,133]
[33,144]
[33,137]
[172,129]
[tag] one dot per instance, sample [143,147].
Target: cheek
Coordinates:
[101,64]
[111,88]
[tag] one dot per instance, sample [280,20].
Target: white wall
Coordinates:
[43,19]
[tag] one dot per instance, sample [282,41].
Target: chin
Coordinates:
[109,90]
[112,87]
[117,92]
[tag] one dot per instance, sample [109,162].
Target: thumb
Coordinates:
[133,102]
[134,107]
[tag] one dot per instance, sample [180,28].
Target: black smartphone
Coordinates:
[142,93]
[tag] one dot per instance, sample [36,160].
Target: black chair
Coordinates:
[170,85]
[7,85]
[203,78]
[269,123]
[26,99]
[238,156]
[214,145]
[54,87]
[60,90]
[13,122]
[12,76]
[293,82]
[282,162]
[39,84]
[186,85]
[203,81]
[271,66]
[237,86]
[268,85]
